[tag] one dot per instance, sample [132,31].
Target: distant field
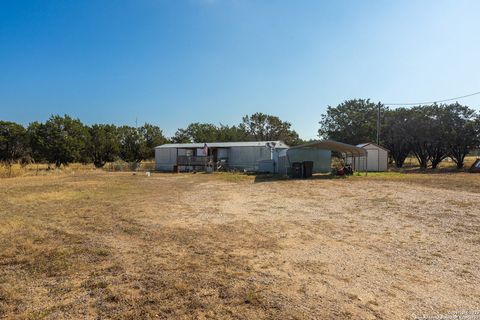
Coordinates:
[447,163]
[42,169]
[92,244]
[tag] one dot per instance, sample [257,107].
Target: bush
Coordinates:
[118,165]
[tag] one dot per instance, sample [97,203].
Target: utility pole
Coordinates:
[378,125]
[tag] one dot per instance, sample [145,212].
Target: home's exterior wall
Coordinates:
[240,158]
[165,159]
[222,153]
[246,158]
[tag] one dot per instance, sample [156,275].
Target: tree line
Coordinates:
[62,139]
[429,132]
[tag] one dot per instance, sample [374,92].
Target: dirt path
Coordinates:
[197,246]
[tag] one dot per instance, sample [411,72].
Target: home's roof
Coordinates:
[334,146]
[363,145]
[278,144]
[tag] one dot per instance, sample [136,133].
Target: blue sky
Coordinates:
[175,62]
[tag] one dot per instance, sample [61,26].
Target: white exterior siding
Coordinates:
[376,161]
[240,155]
[247,157]
[222,153]
[165,159]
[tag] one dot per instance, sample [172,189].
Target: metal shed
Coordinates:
[249,155]
[376,159]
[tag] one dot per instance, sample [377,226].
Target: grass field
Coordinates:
[94,244]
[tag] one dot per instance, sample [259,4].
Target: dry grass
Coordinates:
[412,162]
[116,245]
[42,169]
[450,181]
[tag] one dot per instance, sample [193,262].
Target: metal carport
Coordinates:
[332,145]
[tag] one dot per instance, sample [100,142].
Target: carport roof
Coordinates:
[333,146]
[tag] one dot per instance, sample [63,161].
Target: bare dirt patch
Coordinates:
[114,245]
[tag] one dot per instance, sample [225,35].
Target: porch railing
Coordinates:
[194,160]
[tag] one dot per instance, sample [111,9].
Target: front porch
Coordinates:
[191,160]
[195,160]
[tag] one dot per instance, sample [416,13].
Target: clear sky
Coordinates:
[172,62]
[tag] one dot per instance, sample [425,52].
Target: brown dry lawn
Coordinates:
[114,245]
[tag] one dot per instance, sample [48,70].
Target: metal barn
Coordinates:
[259,156]
[376,159]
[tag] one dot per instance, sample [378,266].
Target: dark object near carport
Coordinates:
[307,169]
[296,170]
[348,170]
[475,168]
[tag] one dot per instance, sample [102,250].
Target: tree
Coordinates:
[181,136]
[197,132]
[428,134]
[439,128]
[207,132]
[463,129]
[131,144]
[231,133]
[61,140]
[420,135]
[395,136]
[440,135]
[13,142]
[153,137]
[264,127]
[35,133]
[353,121]
[104,144]
[431,133]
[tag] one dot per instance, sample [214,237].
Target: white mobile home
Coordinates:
[250,156]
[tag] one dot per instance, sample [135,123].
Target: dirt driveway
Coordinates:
[113,245]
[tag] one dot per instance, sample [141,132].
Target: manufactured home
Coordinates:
[253,156]
[259,156]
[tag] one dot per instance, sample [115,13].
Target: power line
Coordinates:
[430,102]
